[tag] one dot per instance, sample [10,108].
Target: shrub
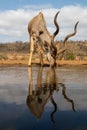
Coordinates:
[3,57]
[70,57]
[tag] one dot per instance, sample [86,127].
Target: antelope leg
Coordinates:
[31,50]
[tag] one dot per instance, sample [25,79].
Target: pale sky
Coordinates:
[15,15]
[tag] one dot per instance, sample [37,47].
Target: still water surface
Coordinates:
[43,98]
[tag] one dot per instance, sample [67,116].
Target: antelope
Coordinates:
[40,36]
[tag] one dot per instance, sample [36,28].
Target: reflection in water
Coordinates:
[43,90]
[44,100]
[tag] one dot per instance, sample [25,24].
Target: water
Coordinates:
[43,98]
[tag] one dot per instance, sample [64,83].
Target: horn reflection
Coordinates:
[42,85]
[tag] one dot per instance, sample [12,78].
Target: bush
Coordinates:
[3,57]
[70,57]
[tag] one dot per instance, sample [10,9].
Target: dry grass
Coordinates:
[18,53]
[22,59]
[71,62]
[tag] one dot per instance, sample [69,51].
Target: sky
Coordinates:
[16,14]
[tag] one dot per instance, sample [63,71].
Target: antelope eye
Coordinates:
[40,32]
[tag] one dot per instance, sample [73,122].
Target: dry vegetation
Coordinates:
[18,53]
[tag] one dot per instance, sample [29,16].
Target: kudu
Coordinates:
[40,36]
